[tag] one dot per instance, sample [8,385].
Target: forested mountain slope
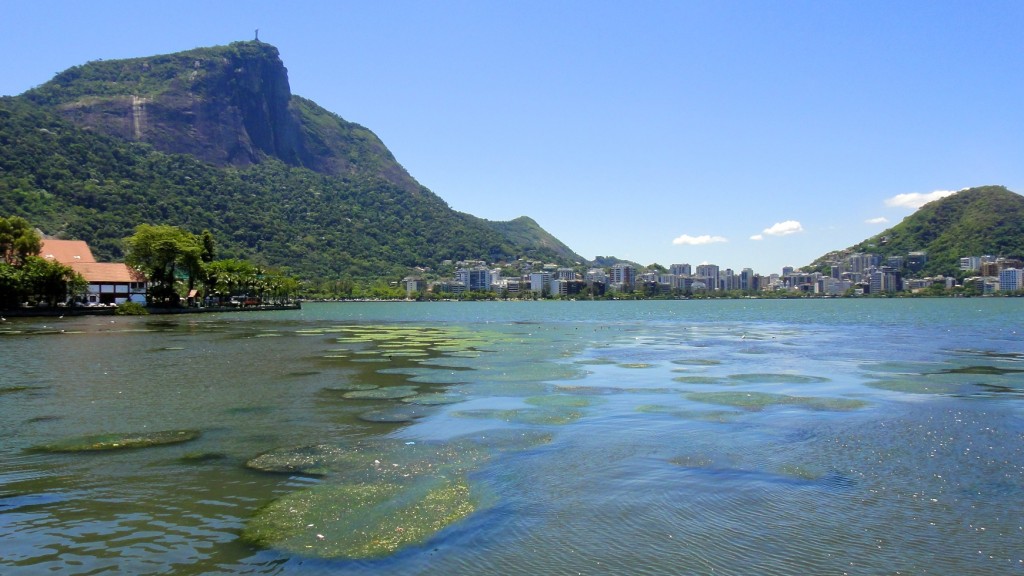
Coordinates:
[986,220]
[213,139]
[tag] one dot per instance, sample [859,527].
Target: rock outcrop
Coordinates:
[228,105]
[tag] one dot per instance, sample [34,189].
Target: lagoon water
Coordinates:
[683,437]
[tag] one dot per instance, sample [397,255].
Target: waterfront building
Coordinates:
[109,282]
[476,279]
[885,280]
[1011,279]
[709,273]
[623,276]
[540,282]
[748,280]
[680,270]
[413,285]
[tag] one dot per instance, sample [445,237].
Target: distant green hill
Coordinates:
[525,231]
[212,138]
[987,220]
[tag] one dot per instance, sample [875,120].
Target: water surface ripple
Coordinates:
[732,437]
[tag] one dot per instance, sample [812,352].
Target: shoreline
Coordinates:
[112,310]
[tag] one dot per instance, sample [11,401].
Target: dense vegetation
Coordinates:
[988,220]
[75,183]
[24,276]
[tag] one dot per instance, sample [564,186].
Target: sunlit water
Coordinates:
[733,437]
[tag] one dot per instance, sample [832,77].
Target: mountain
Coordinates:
[987,220]
[213,138]
[227,105]
[525,231]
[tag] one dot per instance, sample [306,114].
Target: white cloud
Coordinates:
[757,237]
[879,220]
[687,240]
[915,200]
[784,228]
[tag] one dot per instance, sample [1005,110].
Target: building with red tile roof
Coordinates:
[109,282]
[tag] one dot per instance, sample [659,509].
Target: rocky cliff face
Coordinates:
[228,105]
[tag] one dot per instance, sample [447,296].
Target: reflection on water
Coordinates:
[498,438]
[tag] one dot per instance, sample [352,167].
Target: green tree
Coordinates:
[49,282]
[164,253]
[209,247]
[18,240]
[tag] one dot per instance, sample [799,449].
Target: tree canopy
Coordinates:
[24,276]
[18,240]
[161,252]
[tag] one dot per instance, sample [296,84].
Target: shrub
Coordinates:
[131,309]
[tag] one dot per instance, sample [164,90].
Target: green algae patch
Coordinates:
[775,378]
[720,416]
[312,460]
[454,362]
[303,373]
[746,400]
[360,521]
[14,389]
[635,365]
[507,439]
[384,393]
[589,390]
[761,400]
[344,387]
[506,415]
[549,417]
[202,457]
[893,367]
[562,401]
[799,472]
[394,415]
[463,354]
[426,375]
[830,404]
[596,362]
[921,385]
[105,442]
[982,370]
[697,362]
[370,461]
[433,399]
[702,380]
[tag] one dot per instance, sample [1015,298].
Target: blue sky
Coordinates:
[741,133]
